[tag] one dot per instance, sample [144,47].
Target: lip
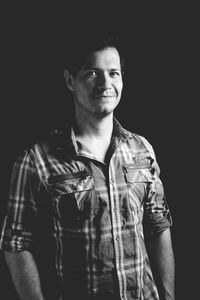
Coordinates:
[105,96]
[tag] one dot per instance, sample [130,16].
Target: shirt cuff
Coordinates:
[16,240]
[157,222]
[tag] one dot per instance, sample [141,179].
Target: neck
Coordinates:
[94,128]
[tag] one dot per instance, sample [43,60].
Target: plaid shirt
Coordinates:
[86,218]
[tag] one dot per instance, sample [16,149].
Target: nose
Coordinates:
[103,81]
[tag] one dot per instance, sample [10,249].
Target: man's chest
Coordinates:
[83,191]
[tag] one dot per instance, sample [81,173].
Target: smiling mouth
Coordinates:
[104,96]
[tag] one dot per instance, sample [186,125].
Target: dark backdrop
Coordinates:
[158,102]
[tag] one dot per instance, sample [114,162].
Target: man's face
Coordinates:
[98,84]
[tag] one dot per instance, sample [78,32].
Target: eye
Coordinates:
[115,74]
[91,73]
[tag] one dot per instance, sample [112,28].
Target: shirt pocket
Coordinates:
[74,197]
[139,178]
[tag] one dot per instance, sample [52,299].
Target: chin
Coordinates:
[103,113]
[105,110]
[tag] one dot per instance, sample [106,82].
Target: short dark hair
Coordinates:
[79,48]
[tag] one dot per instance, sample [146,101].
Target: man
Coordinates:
[80,198]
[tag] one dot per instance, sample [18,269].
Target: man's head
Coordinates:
[94,75]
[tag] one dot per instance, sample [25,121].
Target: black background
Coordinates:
[159,100]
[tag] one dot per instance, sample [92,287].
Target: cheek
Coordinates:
[84,88]
[80,90]
[83,93]
[119,87]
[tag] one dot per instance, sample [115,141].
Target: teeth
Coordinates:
[105,95]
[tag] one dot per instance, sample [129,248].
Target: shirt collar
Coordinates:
[64,138]
[119,131]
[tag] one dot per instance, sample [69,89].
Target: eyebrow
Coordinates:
[98,69]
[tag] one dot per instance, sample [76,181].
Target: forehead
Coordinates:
[104,58]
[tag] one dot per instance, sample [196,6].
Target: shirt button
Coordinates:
[120,268]
[94,291]
[117,238]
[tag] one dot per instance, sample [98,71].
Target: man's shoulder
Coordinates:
[139,141]
[32,147]
[132,137]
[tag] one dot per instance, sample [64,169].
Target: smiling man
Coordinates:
[86,201]
[97,89]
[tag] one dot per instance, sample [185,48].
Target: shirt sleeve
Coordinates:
[21,216]
[157,216]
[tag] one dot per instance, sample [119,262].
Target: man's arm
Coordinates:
[162,259]
[24,274]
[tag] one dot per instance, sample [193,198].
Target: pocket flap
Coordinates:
[71,184]
[135,173]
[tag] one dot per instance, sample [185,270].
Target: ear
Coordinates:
[69,80]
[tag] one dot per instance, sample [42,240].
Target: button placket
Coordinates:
[116,220]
